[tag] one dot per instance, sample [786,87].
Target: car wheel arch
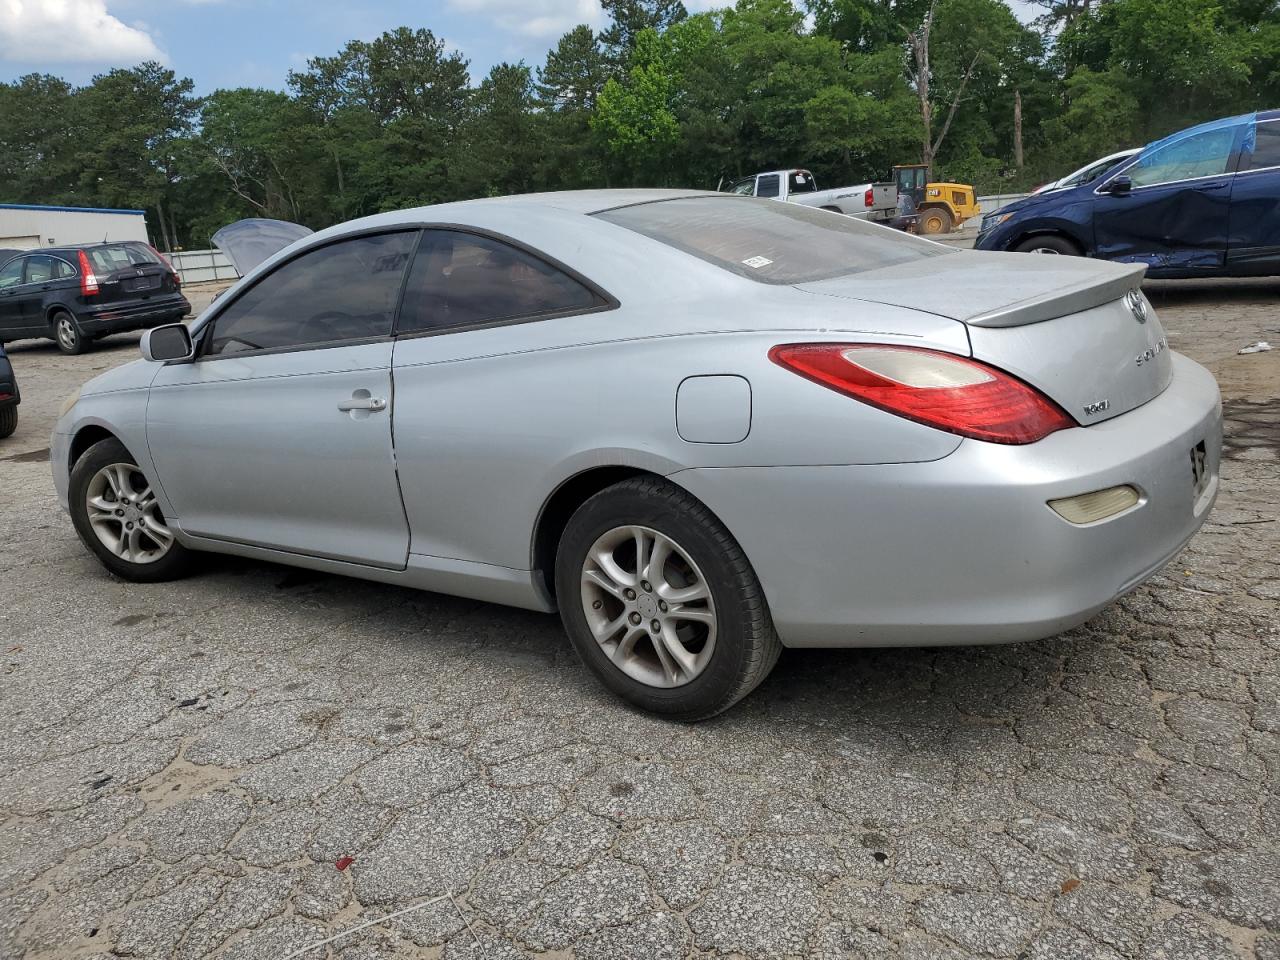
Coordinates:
[1050,232]
[85,438]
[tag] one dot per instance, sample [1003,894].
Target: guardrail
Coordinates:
[201,266]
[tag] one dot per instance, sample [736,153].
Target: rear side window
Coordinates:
[339,292]
[1266,147]
[39,269]
[466,280]
[64,269]
[119,256]
[771,242]
[801,181]
[767,186]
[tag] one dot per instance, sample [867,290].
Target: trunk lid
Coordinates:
[1080,330]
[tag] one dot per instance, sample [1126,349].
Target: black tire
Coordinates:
[172,565]
[65,330]
[8,420]
[1050,244]
[746,646]
[935,220]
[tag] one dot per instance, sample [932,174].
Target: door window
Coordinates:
[340,292]
[801,181]
[11,275]
[39,269]
[466,280]
[767,186]
[743,188]
[1200,155]
[1265,149]
[64,269]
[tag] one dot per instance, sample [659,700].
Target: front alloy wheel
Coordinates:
[115,512]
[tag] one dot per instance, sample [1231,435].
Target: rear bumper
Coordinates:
[110,318]
[965,549]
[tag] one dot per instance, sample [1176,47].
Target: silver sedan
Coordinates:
[702,427]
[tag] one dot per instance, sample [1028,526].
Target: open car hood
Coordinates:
[248,242]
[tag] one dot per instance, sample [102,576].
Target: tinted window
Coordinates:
[461,280]
[39,269]
[1266,147]
[343,291]
[767,186]
[63,268]
[118,256]
[801,181]
[11,275]
[771,242]
[1200,155]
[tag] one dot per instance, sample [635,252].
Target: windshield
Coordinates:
[1094,171]
[771,242]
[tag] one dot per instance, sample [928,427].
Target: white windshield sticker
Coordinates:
[758,262]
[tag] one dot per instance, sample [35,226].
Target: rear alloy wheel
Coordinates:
[8,420]
[66,332]
[935,220]
[1055,246]
[116,514]
[661,603]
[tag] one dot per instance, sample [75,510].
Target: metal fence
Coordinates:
[201,266]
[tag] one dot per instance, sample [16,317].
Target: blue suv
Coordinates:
[1203,202]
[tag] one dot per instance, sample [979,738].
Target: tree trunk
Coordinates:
[1017,129]
[920,53]
[164,228]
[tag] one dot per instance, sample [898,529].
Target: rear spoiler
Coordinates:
[1088,293]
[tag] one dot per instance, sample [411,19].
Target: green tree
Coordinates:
[635,118]
[629,19]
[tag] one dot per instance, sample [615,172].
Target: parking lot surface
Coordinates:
[188,765]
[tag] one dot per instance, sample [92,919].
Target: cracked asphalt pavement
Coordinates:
[186,765]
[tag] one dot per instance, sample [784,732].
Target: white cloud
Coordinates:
[70,31]
[534,18]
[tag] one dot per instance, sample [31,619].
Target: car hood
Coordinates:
[128,376]
[990,289]
[248,243]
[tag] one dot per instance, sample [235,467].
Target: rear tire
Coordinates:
[116,515]
[67,335]
[934,220]
[1050,244]
[695,635]
[8,420]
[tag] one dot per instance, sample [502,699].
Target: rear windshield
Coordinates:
[118,256]
[769,241]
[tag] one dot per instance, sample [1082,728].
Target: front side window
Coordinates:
[466,280]
[771,242]
[1199,155]
[1265,150]
[767,186]
[11,275]
[339,292]
[39,269]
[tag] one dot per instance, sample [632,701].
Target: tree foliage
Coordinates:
[658,97]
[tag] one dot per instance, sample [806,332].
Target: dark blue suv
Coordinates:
[1203,202]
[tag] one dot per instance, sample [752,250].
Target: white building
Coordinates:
[24,226]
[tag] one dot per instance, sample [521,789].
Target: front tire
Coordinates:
[934,220]
[67,335]
[1058,246]
[115,512]
[661,603]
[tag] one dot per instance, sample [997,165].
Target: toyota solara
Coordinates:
[702,427]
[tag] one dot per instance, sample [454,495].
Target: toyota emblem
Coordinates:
[1137,304]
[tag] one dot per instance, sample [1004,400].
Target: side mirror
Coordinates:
[167,343]
[1120,186]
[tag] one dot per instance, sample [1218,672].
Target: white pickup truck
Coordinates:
[867,201]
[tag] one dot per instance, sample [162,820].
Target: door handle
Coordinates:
[1215,186]
[362,403]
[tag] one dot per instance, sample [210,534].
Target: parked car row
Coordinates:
[1204,202]
[75,295]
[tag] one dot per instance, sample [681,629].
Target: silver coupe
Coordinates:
[702,427]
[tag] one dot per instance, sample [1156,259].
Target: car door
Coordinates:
[38,279]
[11,322]
[278,434]
[1174,217]
[1253,246]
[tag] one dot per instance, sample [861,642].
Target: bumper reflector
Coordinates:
[1092,507]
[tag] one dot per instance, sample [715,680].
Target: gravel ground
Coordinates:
[188,764]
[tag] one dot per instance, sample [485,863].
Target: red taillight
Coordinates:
[177,280]
[937,389]
[869,198]
[88,279]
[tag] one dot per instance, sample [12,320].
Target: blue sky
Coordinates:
[228,43]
